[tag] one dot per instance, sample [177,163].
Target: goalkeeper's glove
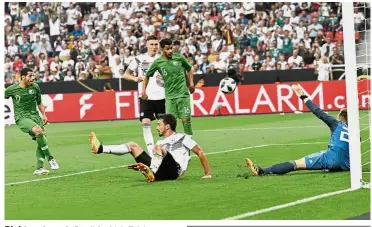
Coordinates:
[299,92]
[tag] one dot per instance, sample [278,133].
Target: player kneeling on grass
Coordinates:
[26,96]
[335,158]
[171,154]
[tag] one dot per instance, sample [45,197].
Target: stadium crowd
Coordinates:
[78,41]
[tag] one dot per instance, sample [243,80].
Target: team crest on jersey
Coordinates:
[175,63]
[18,98]
[31,91]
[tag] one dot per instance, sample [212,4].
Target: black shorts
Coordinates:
[169,169]
[151,108]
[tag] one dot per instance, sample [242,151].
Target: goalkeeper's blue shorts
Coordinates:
[327,160]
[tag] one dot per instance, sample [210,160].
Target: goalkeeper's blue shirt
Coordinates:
[337,153]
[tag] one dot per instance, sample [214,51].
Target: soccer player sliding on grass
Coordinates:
[334,158]
[26,96]
[172,69]
[171,154]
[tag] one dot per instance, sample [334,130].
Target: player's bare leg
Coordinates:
[43,144]
[127,148]
[300,164]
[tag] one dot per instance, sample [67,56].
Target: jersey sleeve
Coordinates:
[188,142]
[8,92]
[38,94]
[152,70]
[133,65]
[329,120]
[185,64]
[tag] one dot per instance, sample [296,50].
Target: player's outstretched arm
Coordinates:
[329,120]
[128,75]
[203,160]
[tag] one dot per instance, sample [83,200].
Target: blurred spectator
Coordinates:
[69,76]
[256,65]
[219,65]
[295,59]
[337,59]
[324,70]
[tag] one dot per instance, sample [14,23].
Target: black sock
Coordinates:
[281,168]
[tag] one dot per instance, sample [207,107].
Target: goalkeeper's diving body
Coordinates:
[172,69]
[334,158]
[171,154]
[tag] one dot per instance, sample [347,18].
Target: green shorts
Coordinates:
[179,107]
[26,125]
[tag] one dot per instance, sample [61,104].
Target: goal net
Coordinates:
[357,55]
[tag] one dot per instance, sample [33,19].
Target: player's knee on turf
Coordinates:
[37,130]
[300,163]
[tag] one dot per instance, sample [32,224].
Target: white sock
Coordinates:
[149,139]
[121,149]
[156,162]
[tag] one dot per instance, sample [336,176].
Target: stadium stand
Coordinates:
[79,41]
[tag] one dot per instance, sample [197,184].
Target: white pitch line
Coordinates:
[278,207]
[116,167]
[66,175]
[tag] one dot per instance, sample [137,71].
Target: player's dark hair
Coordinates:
[343,114]
[152,37]
[165,42]
[170,120]
[25,71]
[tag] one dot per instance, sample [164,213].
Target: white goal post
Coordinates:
[352,95]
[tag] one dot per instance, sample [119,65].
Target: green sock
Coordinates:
[187,128]
[39,158]
[42,142]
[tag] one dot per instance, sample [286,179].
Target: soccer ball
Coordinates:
[227,85]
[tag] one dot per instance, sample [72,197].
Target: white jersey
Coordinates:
[179,146]
[139,66]
[324,70]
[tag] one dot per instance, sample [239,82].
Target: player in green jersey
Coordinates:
[26,96]
[172,69]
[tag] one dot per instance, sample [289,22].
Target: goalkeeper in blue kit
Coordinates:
[334,158]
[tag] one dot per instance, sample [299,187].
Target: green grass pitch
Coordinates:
[95,186]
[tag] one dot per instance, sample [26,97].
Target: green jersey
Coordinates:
[275,53]
[254,39]
[173,74]
[333,21]
[287,45]
[280,21]
[321,20]
[24,100]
